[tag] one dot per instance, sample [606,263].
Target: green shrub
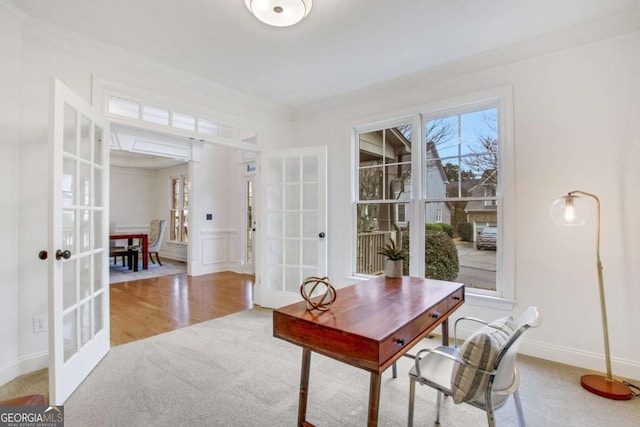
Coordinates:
[441,256]
[447,228]
[434,227]
[465,230]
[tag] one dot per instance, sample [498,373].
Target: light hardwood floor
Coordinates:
[147,307]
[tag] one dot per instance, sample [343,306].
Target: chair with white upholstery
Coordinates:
[156,234]
[482,372]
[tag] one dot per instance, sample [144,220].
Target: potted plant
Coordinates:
[395,256]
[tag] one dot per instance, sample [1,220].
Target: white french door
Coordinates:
[294,223]
[78,271]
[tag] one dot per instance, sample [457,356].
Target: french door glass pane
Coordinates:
[97,230]
[98,311]
[85,322]
[85,138]
[68,182]
[85,185]
[292,169]
[292,197]
[97,183]
[98,136]
[85,230]
[98,268]
[70,134]
[69,230]
[68,283]
[70,335]
[85,276]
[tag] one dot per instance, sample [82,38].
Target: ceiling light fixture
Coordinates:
[279,13]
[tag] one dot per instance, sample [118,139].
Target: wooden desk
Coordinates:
[144,238]
[370,326]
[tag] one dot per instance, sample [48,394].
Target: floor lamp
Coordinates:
[571,210]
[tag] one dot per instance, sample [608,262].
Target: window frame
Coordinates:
[501,99]
[181,208]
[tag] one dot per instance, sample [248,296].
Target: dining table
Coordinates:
[142,238]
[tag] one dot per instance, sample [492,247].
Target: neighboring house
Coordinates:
[436,212]
[483,213]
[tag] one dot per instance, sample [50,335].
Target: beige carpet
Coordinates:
[231,371]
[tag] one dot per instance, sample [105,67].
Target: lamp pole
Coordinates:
[605,387]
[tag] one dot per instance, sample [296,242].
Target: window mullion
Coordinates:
[417,205]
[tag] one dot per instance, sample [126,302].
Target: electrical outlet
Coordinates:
[39,324]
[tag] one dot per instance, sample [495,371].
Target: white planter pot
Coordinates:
[393,268]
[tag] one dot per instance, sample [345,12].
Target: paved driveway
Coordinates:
[477,267]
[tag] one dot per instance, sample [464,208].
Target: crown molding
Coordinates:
[221,91]
[584,34]
[13,9]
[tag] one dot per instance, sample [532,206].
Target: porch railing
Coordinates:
[369,262]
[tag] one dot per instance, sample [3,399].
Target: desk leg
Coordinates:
[304,386]
[445,332]
[374,399]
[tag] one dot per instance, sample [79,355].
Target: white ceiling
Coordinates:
[342,46]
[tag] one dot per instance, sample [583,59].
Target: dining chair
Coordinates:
[482,372]
[156,234]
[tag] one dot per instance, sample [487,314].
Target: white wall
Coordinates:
[577,126]
[44,52]
[220,187]
[133,198]
[10,51]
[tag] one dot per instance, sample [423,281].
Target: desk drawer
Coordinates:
[403,337]
[456,298]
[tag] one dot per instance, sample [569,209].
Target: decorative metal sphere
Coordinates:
[321,301]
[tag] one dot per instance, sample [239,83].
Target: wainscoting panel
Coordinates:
[219,250]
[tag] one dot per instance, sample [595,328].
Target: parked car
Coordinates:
[487,238]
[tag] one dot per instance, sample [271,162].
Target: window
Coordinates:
[459,152]
[384,181]
[179,213]
[462,149]
[120,107]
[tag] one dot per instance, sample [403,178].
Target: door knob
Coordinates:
[321,235]
[43,254]
[63,254]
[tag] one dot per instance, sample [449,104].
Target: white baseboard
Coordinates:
[582,359]
[23,365]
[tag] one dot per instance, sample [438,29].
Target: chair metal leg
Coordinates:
[516,397]
[412,396]
[394,370]
[438,403]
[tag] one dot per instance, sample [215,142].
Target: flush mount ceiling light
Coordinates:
[279,13]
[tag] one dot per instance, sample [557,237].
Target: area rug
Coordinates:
[118,273]
[231,371]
